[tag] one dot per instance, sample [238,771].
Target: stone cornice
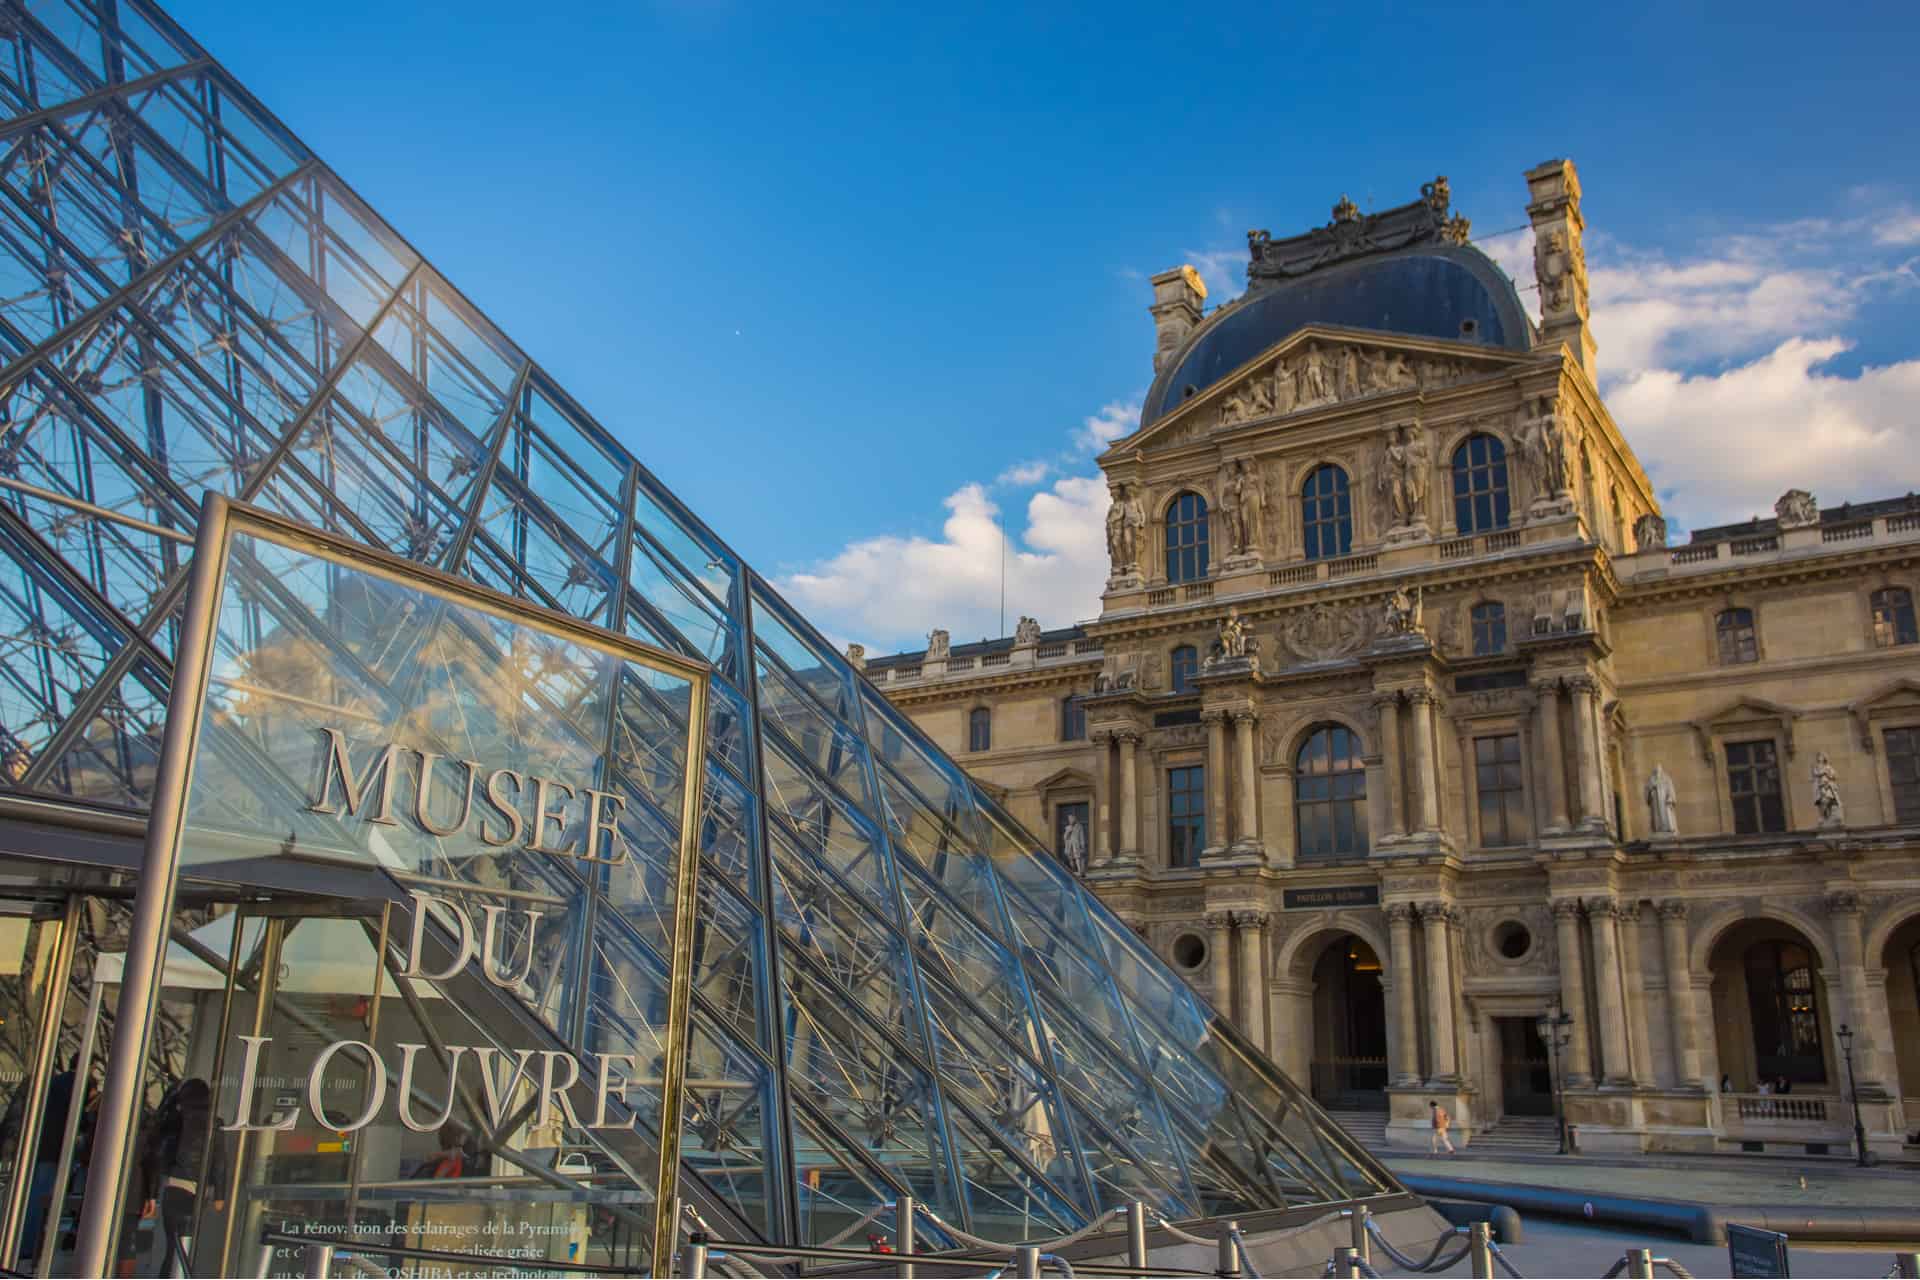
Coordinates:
[1752,673]
[973,684]
[1767,573]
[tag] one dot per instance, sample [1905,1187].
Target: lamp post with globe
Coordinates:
[1853,1089]
[1557,1031]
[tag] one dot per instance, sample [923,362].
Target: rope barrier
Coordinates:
[1493,1247]
[1432,1262]
[1246,1259]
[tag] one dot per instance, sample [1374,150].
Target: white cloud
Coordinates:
[1721,447]
[1023,474]
[1115,419]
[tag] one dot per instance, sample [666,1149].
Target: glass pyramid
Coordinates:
[896,991]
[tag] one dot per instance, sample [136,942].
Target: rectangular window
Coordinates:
[1073,721]
[1753,783]
[1903,770]
[1503,809]
[1186,815]
[980,730]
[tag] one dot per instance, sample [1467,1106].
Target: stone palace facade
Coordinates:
[1405,735]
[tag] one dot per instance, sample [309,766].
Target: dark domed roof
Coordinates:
[1453,292]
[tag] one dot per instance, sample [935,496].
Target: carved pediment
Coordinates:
[1900,695]
[1314,368]
[1744,710]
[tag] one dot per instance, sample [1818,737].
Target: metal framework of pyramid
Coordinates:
[910,996]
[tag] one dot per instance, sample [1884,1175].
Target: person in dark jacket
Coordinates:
[178,1155]
[46,1161]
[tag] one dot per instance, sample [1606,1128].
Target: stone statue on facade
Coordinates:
[1026,633]
[1650,532]
[1797,509]
[1826,792]
[1316,377]
[1240,506]
[1543,448]
[1233,636]
[1553,270]
[1349,372]
[1073,844]
[1403,476]
[1662,806]
[1125,519]
[939,645]
[1403,613]
[857,656]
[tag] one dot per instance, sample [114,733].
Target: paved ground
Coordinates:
[1704,1179]
[1571,1249]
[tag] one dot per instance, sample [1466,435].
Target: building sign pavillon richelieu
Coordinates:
[479,820]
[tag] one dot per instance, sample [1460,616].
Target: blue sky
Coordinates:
[866,285]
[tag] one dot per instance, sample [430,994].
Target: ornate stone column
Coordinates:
[1583,691]
[1634,980]
[1426,785]
[1100,837]
[1548,694]
[1680,1022]
[1406,1072]
[1216,721]
[1389,708]
[1871,1032]
[1253,975]
[1247,780]
[1602,915]
[1220,961]
[1578,1068]
[1129,840]
[1434,919]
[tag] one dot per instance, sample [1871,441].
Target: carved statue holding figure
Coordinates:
[1404,612]
[1026,633]
[1241,503]
[1233,636]
[1826,792]
[1662,806]
[939,645]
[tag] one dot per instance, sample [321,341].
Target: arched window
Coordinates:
[1326,514]
[1480,485]
[1733,629]
[1893,617]
[1187,538]
[1330,794]
[1784,1005]
[1073,719]
[1489,628]
[980,730]
[1183,665]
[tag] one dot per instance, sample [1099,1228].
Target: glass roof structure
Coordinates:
[896,990]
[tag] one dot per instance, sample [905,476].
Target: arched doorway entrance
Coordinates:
[1901,960]
[1349,1026]
[1769,1009]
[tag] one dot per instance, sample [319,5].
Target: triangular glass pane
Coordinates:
[55,646]
[114,760]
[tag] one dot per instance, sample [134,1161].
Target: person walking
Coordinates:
[1441,1123]
[178,1156]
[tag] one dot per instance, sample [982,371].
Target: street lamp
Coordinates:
[1557,1032]
[1853,1088]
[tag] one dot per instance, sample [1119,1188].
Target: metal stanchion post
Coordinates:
[1640,1264]
[1480,1250]
[696,1268]
[1137,1236]
[1362,1247]
[1026,1262]
[1346,1265]
[319,1261]
[1906,1265]
[1228,1261]
[903,1245]
[263,1260]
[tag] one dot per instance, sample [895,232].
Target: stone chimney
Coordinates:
[1560,259]
[1178,296]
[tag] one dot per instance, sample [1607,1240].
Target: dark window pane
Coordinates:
[1480,485]
[1186,815]
[1893,621]
[1326,514]
[1504,818]
[980,730]
[1186,529]
[1182,665]
[1903,769]
[1738,643]
[1753,785]
[1330,795]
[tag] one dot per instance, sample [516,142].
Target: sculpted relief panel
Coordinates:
[1331,374]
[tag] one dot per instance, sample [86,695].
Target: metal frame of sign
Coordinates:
[220,519]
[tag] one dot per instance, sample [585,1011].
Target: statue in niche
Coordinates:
[1403,478]
[1125,519]
[938,645]
[1241,503]
[1316,378]
[1543,447]
[1662,806]
[1403,612]
[1026,633]
[1553,270]
[1073,844]
[1826,792]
